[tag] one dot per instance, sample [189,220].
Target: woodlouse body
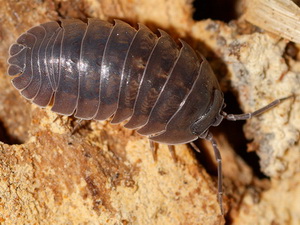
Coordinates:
[97,70]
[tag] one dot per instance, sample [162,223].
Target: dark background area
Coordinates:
[224,10]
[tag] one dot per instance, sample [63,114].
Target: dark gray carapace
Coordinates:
[98,70]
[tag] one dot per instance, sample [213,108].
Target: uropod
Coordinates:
[99,70]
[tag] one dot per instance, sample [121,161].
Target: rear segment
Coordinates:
[28,62]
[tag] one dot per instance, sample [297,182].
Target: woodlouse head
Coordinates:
[212,117]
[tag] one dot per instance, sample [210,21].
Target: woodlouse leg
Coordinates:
[192,144]
[57,117]
[218,157]
[246,116]
[153,148]
[77,125]
[173,154]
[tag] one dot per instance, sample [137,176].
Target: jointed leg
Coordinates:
[77,125]
[172,151]
[195,147]
[153,150]
[210,138]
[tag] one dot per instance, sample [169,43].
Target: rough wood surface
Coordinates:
[105,174]
[284,19]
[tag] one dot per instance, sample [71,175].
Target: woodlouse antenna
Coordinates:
[245,116]
[233,117]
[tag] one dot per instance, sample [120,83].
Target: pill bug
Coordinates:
[99,70]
